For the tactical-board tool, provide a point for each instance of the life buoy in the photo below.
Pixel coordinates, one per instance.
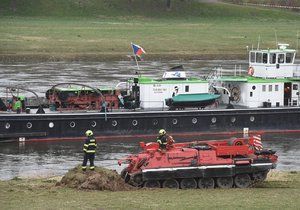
(236, 142)
(251, 70)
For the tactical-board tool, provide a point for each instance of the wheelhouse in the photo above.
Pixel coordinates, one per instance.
(273, 63)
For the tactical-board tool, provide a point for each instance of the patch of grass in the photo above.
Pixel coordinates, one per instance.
(138, 8)
(103, 30)
(280, 191)
(98, 39)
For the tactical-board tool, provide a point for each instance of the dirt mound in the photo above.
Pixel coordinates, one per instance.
(99, 179)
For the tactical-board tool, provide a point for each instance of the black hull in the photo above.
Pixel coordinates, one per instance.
(74, 125)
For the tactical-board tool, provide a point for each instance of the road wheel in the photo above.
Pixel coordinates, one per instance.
(171, 183)
(260, 176)
(188, 184)
(242, 180)
(152, 184)
(138, 179)
(206, 183)
(225, 182)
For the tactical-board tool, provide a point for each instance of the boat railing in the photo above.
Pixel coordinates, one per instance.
(219, 71)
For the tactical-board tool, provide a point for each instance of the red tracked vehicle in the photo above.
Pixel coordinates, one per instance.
(236, 162)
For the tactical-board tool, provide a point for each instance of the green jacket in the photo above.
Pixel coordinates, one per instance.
(17, 105)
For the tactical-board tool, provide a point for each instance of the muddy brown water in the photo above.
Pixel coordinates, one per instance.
(42, 159)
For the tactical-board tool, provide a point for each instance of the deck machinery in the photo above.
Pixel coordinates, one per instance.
(237, 162)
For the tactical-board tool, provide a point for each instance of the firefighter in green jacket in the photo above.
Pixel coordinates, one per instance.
(18, 105)
(89, 149)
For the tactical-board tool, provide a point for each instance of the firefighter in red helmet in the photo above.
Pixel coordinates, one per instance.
(89, 149)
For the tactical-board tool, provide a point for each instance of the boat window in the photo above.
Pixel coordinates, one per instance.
(264, 88)
(294, 102)
(265, 58)
(251, 94)
(272, 58)
(276, 87)
(295, 87)
(289, 57)
(187, 88)
(270, 88)
(280, 58)
(252, 57)
(253, 87)
(258, 57)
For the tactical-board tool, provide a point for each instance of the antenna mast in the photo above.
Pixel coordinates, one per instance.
(258, 42)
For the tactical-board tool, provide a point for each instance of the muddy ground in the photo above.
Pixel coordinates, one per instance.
(99, 179)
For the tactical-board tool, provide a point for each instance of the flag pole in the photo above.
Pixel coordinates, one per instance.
(136, 61)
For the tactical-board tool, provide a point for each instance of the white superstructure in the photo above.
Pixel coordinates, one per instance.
(273, 80)
(274, 63)
(153, 92)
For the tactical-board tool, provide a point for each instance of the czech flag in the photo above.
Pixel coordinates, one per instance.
(137, 50)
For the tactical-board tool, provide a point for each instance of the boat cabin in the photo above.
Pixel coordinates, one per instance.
(273, 63)
(153, 92)
(273, 80)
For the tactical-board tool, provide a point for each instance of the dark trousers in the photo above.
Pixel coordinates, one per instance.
(90, 157)
(162, 146)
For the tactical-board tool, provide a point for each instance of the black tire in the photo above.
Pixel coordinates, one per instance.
(127, 177)
(123, 173)
(171, 183)
(242, 181)
(260, 176)
(225, 182)
(152, 184)
(188, 183)
(206, 183)
(138, 179)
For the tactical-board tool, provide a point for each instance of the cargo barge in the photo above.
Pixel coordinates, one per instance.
(264, 100)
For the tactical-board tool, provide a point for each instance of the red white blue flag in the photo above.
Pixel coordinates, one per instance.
(137, 50)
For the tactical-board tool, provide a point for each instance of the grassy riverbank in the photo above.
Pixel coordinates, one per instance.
(280, 191)
(188, 31)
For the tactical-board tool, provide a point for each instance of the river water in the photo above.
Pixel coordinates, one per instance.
(40, 77)
(43, 159)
